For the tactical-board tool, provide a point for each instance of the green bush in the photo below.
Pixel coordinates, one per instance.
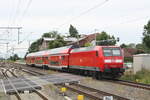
(142, 76)
(128, 59)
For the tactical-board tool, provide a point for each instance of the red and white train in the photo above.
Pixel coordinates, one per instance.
(97, 61)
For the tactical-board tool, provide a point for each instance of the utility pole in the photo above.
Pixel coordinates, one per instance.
(95, 31)
(18, 34)
(29, 43)
(7, 50)
(12, 50)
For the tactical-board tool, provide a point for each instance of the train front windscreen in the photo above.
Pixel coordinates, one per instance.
(108, 52)
(112, 56)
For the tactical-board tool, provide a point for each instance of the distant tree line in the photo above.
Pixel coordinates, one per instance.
(102, 38)
(14, 57)
(73, 32)
(143, 47)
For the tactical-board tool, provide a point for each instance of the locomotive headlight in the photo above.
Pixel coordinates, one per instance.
(118, 61)
(107, 61)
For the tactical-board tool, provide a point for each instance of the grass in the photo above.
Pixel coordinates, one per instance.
(142, 76)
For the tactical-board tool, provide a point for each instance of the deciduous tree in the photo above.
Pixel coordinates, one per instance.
(73, 32)
(146, 34)
(104, 39)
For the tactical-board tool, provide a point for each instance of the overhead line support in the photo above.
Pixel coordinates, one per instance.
(13, 28)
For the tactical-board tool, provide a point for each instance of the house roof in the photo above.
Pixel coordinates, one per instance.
(129, 52)
(86, 39)
(48, 39)
(142, 55)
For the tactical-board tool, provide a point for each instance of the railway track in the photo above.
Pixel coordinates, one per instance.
(7, 77)
(17, 94)
(89, 92)
(37, 92)
(130, 83)
(35, 73)
(92, 92)
(117, 81)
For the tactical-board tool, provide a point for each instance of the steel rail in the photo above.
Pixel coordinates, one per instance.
(30, 72)
(7, 77)
(38, 93)
(130, 83)
(42, 96)
(92, 92)
(124, 82)
(13, 73)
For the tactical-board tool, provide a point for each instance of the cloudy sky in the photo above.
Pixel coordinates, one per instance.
(122, 18)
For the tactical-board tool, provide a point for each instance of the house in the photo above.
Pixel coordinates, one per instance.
(86, 39)
(45, 42)
(70, 41)
(129, 52)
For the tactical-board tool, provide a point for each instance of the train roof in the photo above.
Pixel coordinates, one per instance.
(91, 48)
(61, 50)
(65, 50)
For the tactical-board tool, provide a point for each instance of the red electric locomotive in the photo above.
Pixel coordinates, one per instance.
(97, 61)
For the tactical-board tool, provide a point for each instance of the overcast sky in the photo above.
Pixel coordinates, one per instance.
(122, 18)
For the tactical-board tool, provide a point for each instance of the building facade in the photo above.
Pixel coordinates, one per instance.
(141, 61)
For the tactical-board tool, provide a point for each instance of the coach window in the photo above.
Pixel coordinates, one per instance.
(62, 57)
(97, 53)
(46, 58)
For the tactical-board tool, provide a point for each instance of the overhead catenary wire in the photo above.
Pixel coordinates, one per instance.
(125, 22)
(23, 15)
(25, 38)
(11, 12)
(25, 10)
(83, 13)
(17, 10)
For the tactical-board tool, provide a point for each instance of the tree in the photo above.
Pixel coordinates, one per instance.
(87, 44)
(104, 39)
(73, 32)
(14, 57)
(131, 45)
(35, 46)
(143, 47)
(146, 34)
(58, 42)
(123, 45)
(52, 34)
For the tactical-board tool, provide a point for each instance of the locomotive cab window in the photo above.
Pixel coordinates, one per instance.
(111, 52)
(116, 52)
(107, 52)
